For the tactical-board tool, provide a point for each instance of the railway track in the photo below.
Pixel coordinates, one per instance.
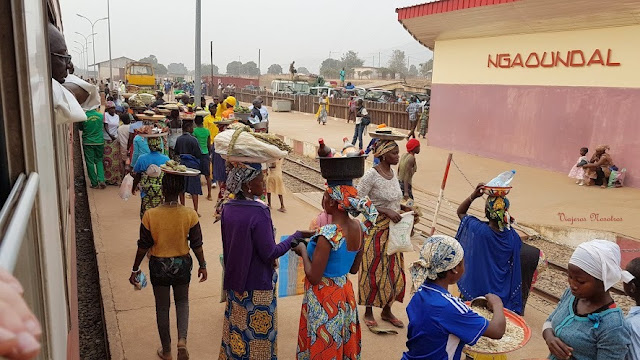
(551, 284)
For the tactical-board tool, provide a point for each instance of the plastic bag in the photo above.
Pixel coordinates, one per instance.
(291, 274)
(616, 179)
(141, 281)
(400, 235)
(126, 187)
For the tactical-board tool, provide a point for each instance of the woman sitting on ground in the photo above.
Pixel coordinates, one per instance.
(597, 171)
(587, 324)
(329, 324)
(440, 325)
(166, 233)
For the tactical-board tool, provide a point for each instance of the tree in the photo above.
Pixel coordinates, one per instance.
(250, 69)
(303, 70)
(398, 64)
(177, 68)
(349, 61)
(330, 68)
(413, 71)
(366, 73)
(426, 68)
(274, 69)
(158, 68)
(206, 70)
(234, 68)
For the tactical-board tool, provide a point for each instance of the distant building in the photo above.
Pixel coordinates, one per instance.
(533, 81)
(118, 66)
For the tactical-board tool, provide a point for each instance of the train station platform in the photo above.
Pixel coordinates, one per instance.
(538, 197)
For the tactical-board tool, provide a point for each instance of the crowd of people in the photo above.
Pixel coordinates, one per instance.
(351, 236)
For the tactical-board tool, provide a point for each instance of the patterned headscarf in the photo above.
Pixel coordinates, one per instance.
(155, 143)
(383, 147)
(497, 208)
(439, 253)
(241, 173)
(347, 198)
(110, 104)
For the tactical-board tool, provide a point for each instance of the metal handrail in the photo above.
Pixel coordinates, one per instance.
(9, 204)
(13, 237)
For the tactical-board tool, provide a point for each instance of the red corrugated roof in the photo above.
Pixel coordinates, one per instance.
(443, 6)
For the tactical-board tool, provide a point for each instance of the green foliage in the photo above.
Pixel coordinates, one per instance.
(398, 63)
(234, 68)
(426, 67)
(177, 69)
(158, 68)
(303, 70)
(274, 69)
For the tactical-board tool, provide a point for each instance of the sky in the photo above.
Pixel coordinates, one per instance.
(285, 30)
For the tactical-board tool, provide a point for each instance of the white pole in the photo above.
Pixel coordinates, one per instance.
(198, 78)
(110, 67)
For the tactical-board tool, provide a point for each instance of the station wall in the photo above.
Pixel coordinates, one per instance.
(579, 88)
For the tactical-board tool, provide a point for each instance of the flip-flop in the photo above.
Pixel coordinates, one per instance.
(282, 210)
(395, 322)
(371, 323)
(162, 356)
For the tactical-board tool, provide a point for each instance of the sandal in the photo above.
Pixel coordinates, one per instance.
(395, 322)
(371, 323)
(164, 356)
(183, 353)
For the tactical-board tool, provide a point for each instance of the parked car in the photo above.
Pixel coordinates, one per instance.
(380, 95)
(251, 87)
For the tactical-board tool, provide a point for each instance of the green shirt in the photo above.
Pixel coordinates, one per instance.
(92, 128)
(202, 134)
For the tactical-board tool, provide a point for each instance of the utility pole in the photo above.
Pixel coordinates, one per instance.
(379, 60)
(259, 67)
(198, 78)
(110, 66)
(93, 38)
(212, 86)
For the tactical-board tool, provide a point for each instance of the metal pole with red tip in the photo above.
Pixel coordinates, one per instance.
(441, 195)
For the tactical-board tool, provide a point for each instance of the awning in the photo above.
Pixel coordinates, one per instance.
(459, 19)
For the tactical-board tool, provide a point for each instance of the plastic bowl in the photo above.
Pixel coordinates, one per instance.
(518, 321)
(496, 191)
(342, 168)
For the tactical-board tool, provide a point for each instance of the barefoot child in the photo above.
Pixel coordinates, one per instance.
(632, 289)
(275, 185)
(577, 171)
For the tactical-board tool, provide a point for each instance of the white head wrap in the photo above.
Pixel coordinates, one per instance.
(600, 259)
(439, 253)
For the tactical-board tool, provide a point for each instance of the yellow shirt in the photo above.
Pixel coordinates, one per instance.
(220, 109)
(170, 227)
(210, 124)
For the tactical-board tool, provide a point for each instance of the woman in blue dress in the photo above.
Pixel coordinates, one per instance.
(587, 324)
(492, 252)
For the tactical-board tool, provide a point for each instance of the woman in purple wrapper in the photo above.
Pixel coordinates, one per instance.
(250, 251)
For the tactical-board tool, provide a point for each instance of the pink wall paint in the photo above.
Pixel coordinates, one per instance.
(539, 126)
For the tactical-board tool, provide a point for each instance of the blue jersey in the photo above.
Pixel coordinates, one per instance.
(440, 325)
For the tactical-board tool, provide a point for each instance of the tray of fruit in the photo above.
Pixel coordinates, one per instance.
(151, 131)
(173, 167)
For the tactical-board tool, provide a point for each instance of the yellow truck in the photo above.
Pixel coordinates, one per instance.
(140, 77)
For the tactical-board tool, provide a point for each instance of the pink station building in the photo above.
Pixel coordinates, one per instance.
(533, 81)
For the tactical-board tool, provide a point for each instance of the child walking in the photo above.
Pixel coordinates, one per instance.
(275, 185)
(577, 171)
